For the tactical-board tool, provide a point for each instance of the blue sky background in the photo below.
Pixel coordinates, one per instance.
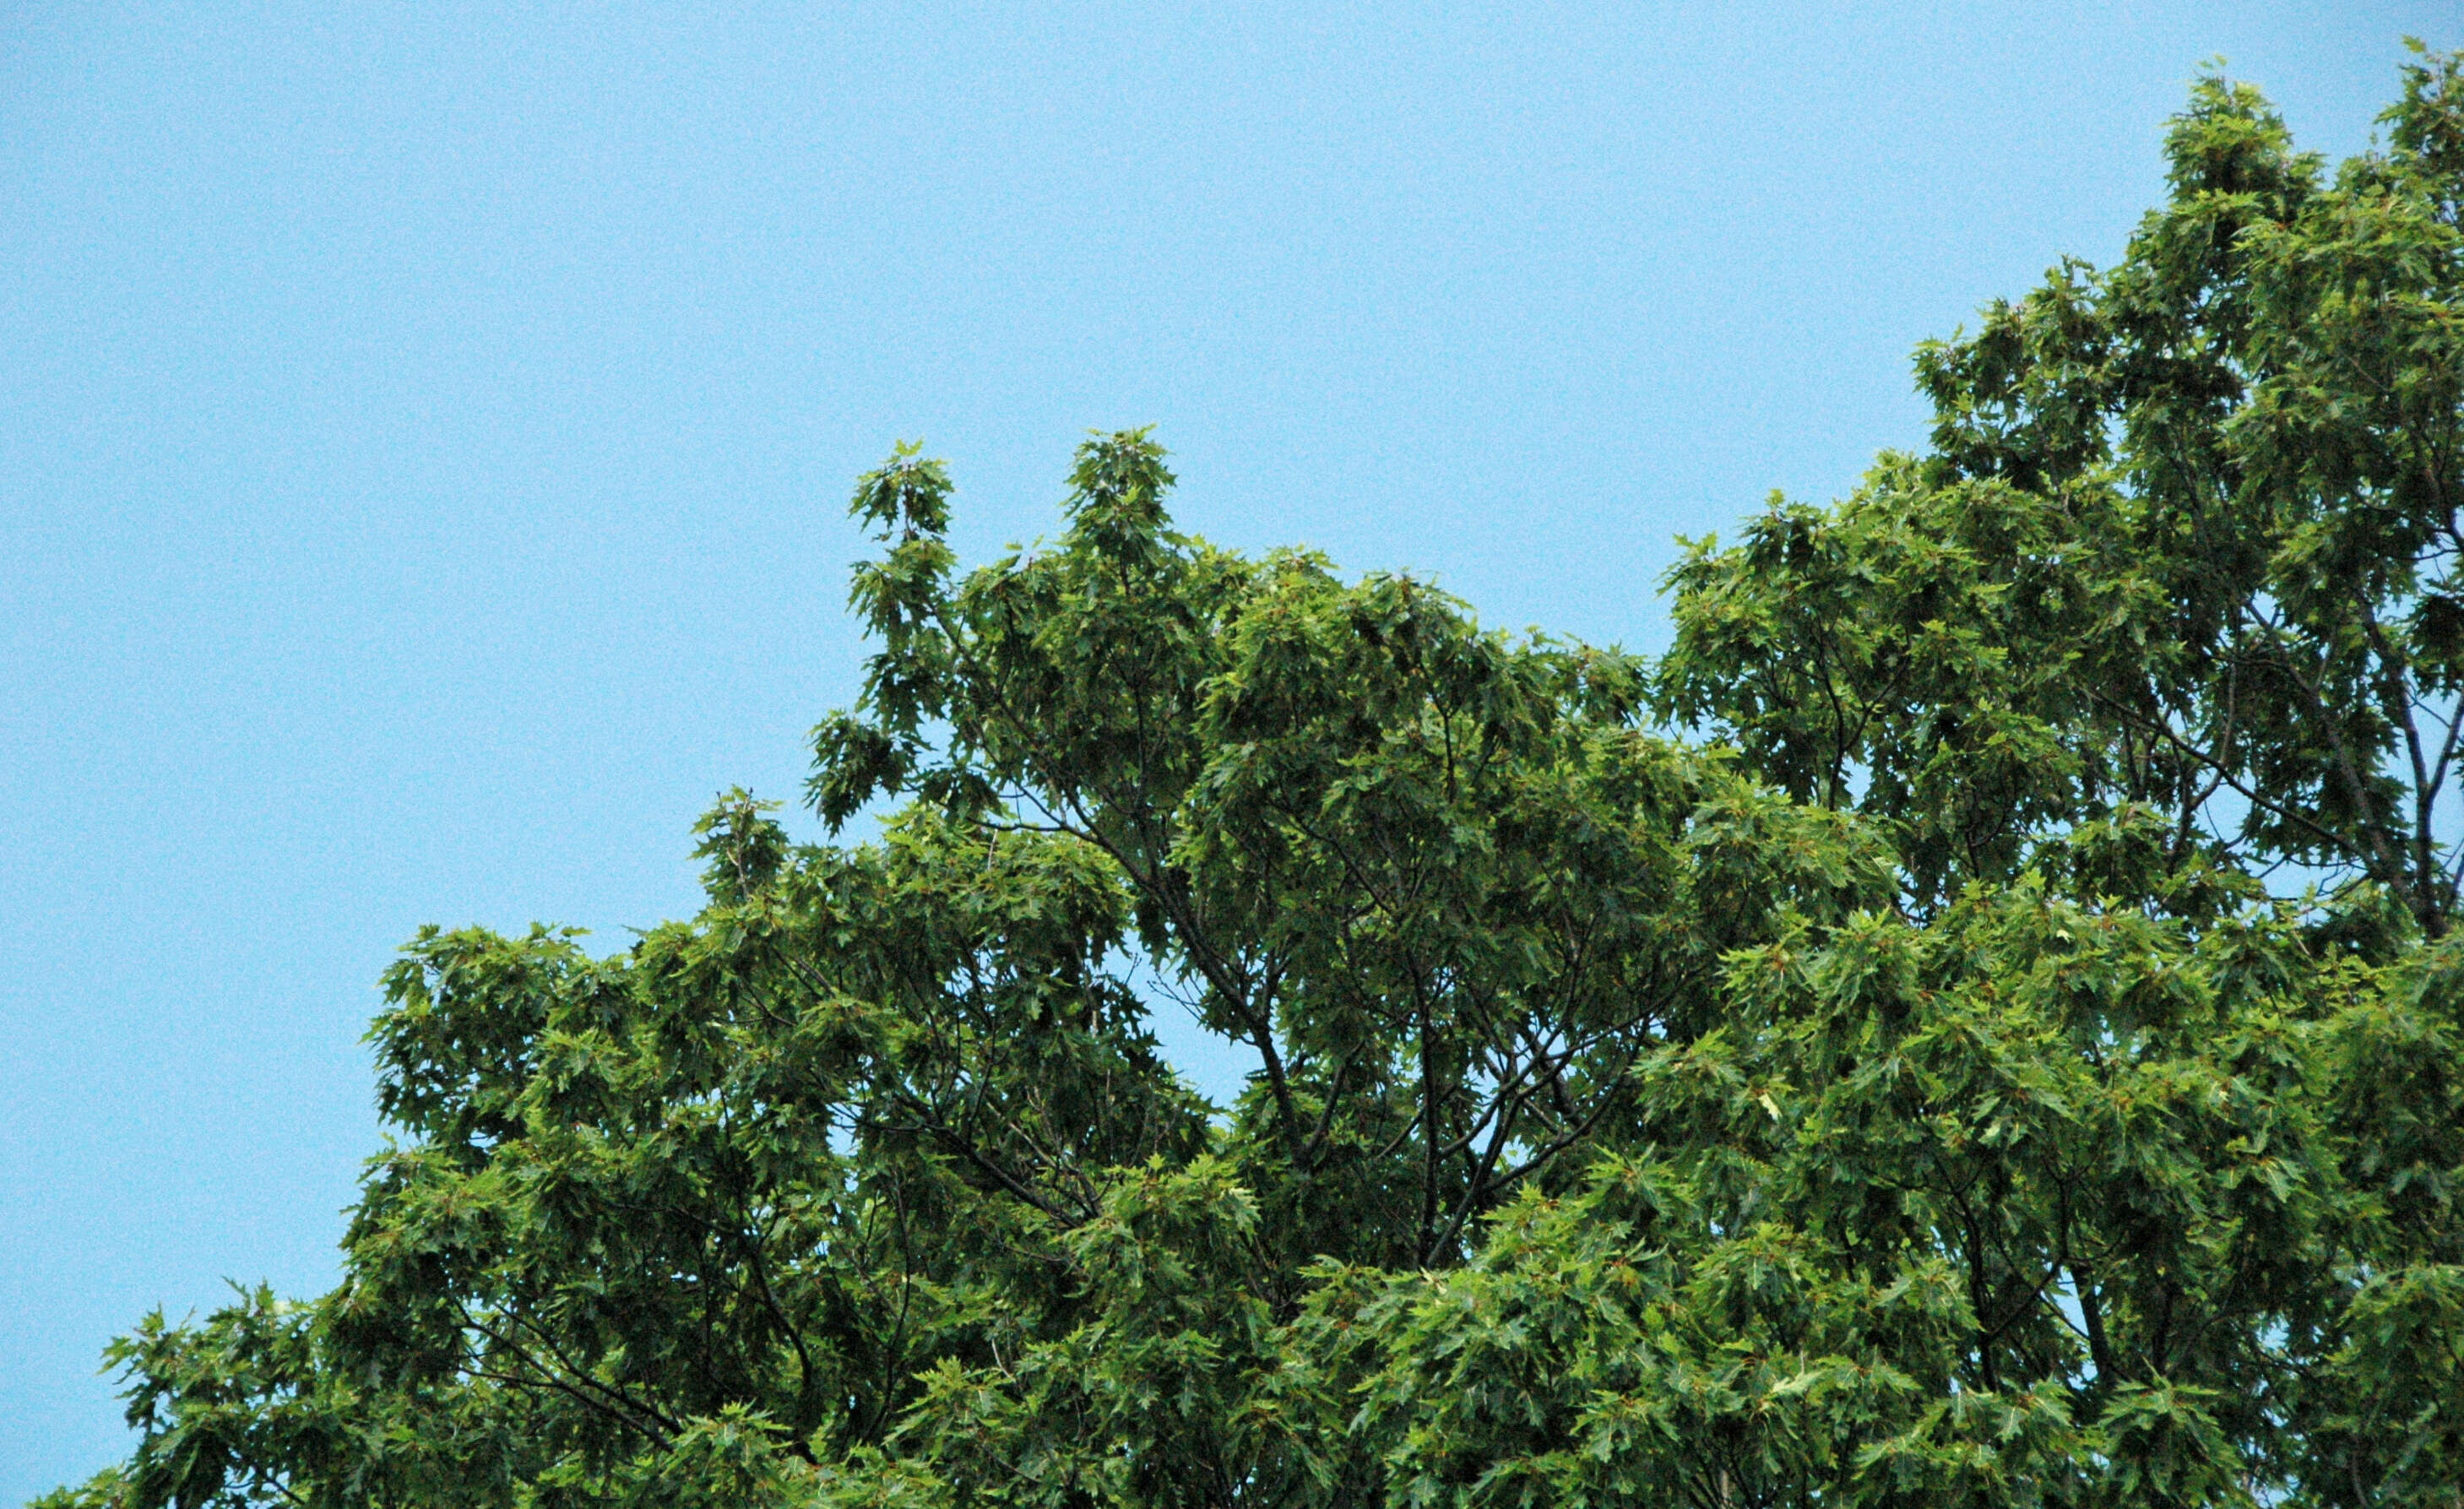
(425, 430)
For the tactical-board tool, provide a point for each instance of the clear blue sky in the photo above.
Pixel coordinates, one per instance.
(424, 432)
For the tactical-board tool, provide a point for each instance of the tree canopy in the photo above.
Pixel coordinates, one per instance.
(1980, 1021)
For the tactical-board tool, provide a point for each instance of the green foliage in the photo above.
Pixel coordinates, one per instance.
(2017, 1058)
(2181, 565)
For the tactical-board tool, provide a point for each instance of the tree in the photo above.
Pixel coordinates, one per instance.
(1977, 1023)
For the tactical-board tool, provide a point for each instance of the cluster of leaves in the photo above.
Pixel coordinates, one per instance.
(1927, 1088)
(2181, 567)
